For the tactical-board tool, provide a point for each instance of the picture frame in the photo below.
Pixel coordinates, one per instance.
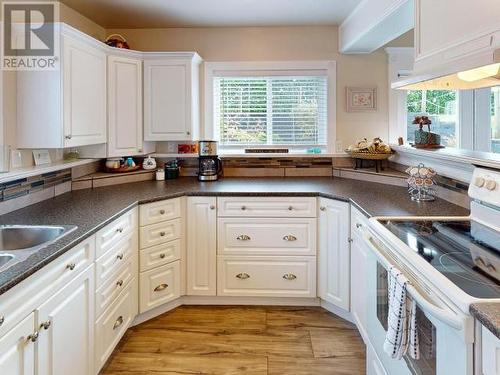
(361, 99)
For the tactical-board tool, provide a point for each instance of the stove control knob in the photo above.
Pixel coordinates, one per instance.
(491, 185)
(479, 181)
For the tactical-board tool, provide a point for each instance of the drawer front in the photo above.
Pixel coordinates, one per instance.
(115, 231)
(111, 326)
(157, 212)
(159, 286)
(159, 255)
(115, 258)
(250, 236)
(267, 206)
(266, 276)
(112, 288)
(156, 234)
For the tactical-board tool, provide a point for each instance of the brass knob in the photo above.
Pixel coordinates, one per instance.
(243, 237)
(212, 207)
(162, 256)
(188, 133)
(162, 234)
(118, 322)
(290, 238)
(119, 283)
(160, 287)
(119, 230)
(68, 136)
(45, 325)
(358, 225)
(71, 266)
(289, 276)
(119, 256)
(322, 208)
(243, 208)
(34, 336)
(243, 276)
(162, 212)
(290, 208)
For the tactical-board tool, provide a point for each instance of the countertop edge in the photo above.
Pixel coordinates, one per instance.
(489, 316)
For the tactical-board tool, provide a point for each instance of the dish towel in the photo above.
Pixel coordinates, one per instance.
(402, 330)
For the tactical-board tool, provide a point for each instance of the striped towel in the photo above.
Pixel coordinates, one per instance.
(402, 331)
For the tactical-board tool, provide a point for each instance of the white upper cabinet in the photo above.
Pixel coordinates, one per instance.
(453, 31)
(334, 258)
(66, 107)
(171, 97)
(124, 106)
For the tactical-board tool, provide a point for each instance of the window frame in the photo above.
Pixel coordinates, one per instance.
(270, 68)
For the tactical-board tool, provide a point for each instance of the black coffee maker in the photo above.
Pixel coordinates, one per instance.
(209, 164)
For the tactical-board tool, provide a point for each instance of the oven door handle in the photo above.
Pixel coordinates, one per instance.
(445, 316)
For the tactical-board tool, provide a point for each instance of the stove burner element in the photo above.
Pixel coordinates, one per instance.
(456, 267)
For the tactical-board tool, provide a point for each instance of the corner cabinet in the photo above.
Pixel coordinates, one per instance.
(171, 96)
(333, 255)
(65, 107)
(201, 249)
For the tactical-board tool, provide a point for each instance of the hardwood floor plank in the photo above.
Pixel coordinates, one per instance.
(334, 343)
(304, 318)
(316, 366)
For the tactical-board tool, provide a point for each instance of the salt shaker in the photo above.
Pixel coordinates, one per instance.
(160, 175)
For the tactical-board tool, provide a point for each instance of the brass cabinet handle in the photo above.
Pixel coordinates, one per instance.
(289, 276)
(243, 208)
(290, 208)
(33, 337)
(71, 266)
(212, 207)
(162, 234)
(45, 325)
(243, 237)
(119, 230)
(119, 256)
(290, 237)
(119, 283)
(161, 287)
(118, 322)
(243, 276)
(188, 133)
(491, 267)
(162, 212)
(2, 319)
(162, 256)
(322, 208)
(68, 136)
(358, 225)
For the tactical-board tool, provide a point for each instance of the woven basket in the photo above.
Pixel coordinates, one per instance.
(365, 155)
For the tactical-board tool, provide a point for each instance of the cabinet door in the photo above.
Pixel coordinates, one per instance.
(490, 353)
(124, 106)
(201, 246)
(358, 283)
(334, 252)
(167, 100)
(17, 350)
(84, 94)
(65, 322)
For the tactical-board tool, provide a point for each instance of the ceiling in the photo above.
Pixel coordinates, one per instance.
(212, 13)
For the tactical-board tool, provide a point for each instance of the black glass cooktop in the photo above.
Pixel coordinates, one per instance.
(466, 252)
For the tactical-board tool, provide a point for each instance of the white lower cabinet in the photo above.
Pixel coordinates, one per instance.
(65, 326)
(159, 285)
(17, 350)
(201, 249)
(373, 364)
(490, 356)
(333, 261)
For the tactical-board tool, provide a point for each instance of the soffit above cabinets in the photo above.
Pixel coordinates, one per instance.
(212, 13)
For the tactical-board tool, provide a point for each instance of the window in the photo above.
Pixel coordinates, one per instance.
(442, 109)
(271, 110)
(495, 119)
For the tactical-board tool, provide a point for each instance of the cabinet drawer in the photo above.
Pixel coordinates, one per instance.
(115, 258)
(252, 236)
(157, 212)
(159, 255)
(160, 233)
(112, 288)
(159, 286)
(267, 206)
(111, 326)
(115, 231)
(266, 276)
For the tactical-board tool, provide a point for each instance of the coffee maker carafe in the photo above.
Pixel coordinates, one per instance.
(210, 165)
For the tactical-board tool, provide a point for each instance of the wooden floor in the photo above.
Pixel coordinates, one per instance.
(240, 340)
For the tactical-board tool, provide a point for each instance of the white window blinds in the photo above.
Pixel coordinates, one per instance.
(277, 110)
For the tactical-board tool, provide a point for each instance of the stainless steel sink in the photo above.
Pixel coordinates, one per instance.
(18, 242)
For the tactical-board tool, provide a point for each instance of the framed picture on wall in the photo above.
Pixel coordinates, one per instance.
(361, 99)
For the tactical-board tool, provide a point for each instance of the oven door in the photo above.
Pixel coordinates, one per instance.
(443, 347)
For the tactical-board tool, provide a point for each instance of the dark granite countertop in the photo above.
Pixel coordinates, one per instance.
(488, 314)
(92, 209)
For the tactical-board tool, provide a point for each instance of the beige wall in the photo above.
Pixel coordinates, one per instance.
(82, 23)
(283, 43)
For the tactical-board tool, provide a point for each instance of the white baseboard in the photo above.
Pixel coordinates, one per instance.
(337, 311)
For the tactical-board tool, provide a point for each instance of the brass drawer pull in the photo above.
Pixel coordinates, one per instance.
(161, 287)
(119, 230)
(290, 238)
(162, 234)
(322, 208)
(71, 266)
(45, 325)
(162, 212)
(33, 337)
(118, 322)
(358, 225)
(290, 208)
(119, 256)
(243, 276)
(119, 283)
(243, 208)
(243, 237)
(212, 207)
(289, 276)
(162, 256)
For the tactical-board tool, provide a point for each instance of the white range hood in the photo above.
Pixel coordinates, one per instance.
(474, 72)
